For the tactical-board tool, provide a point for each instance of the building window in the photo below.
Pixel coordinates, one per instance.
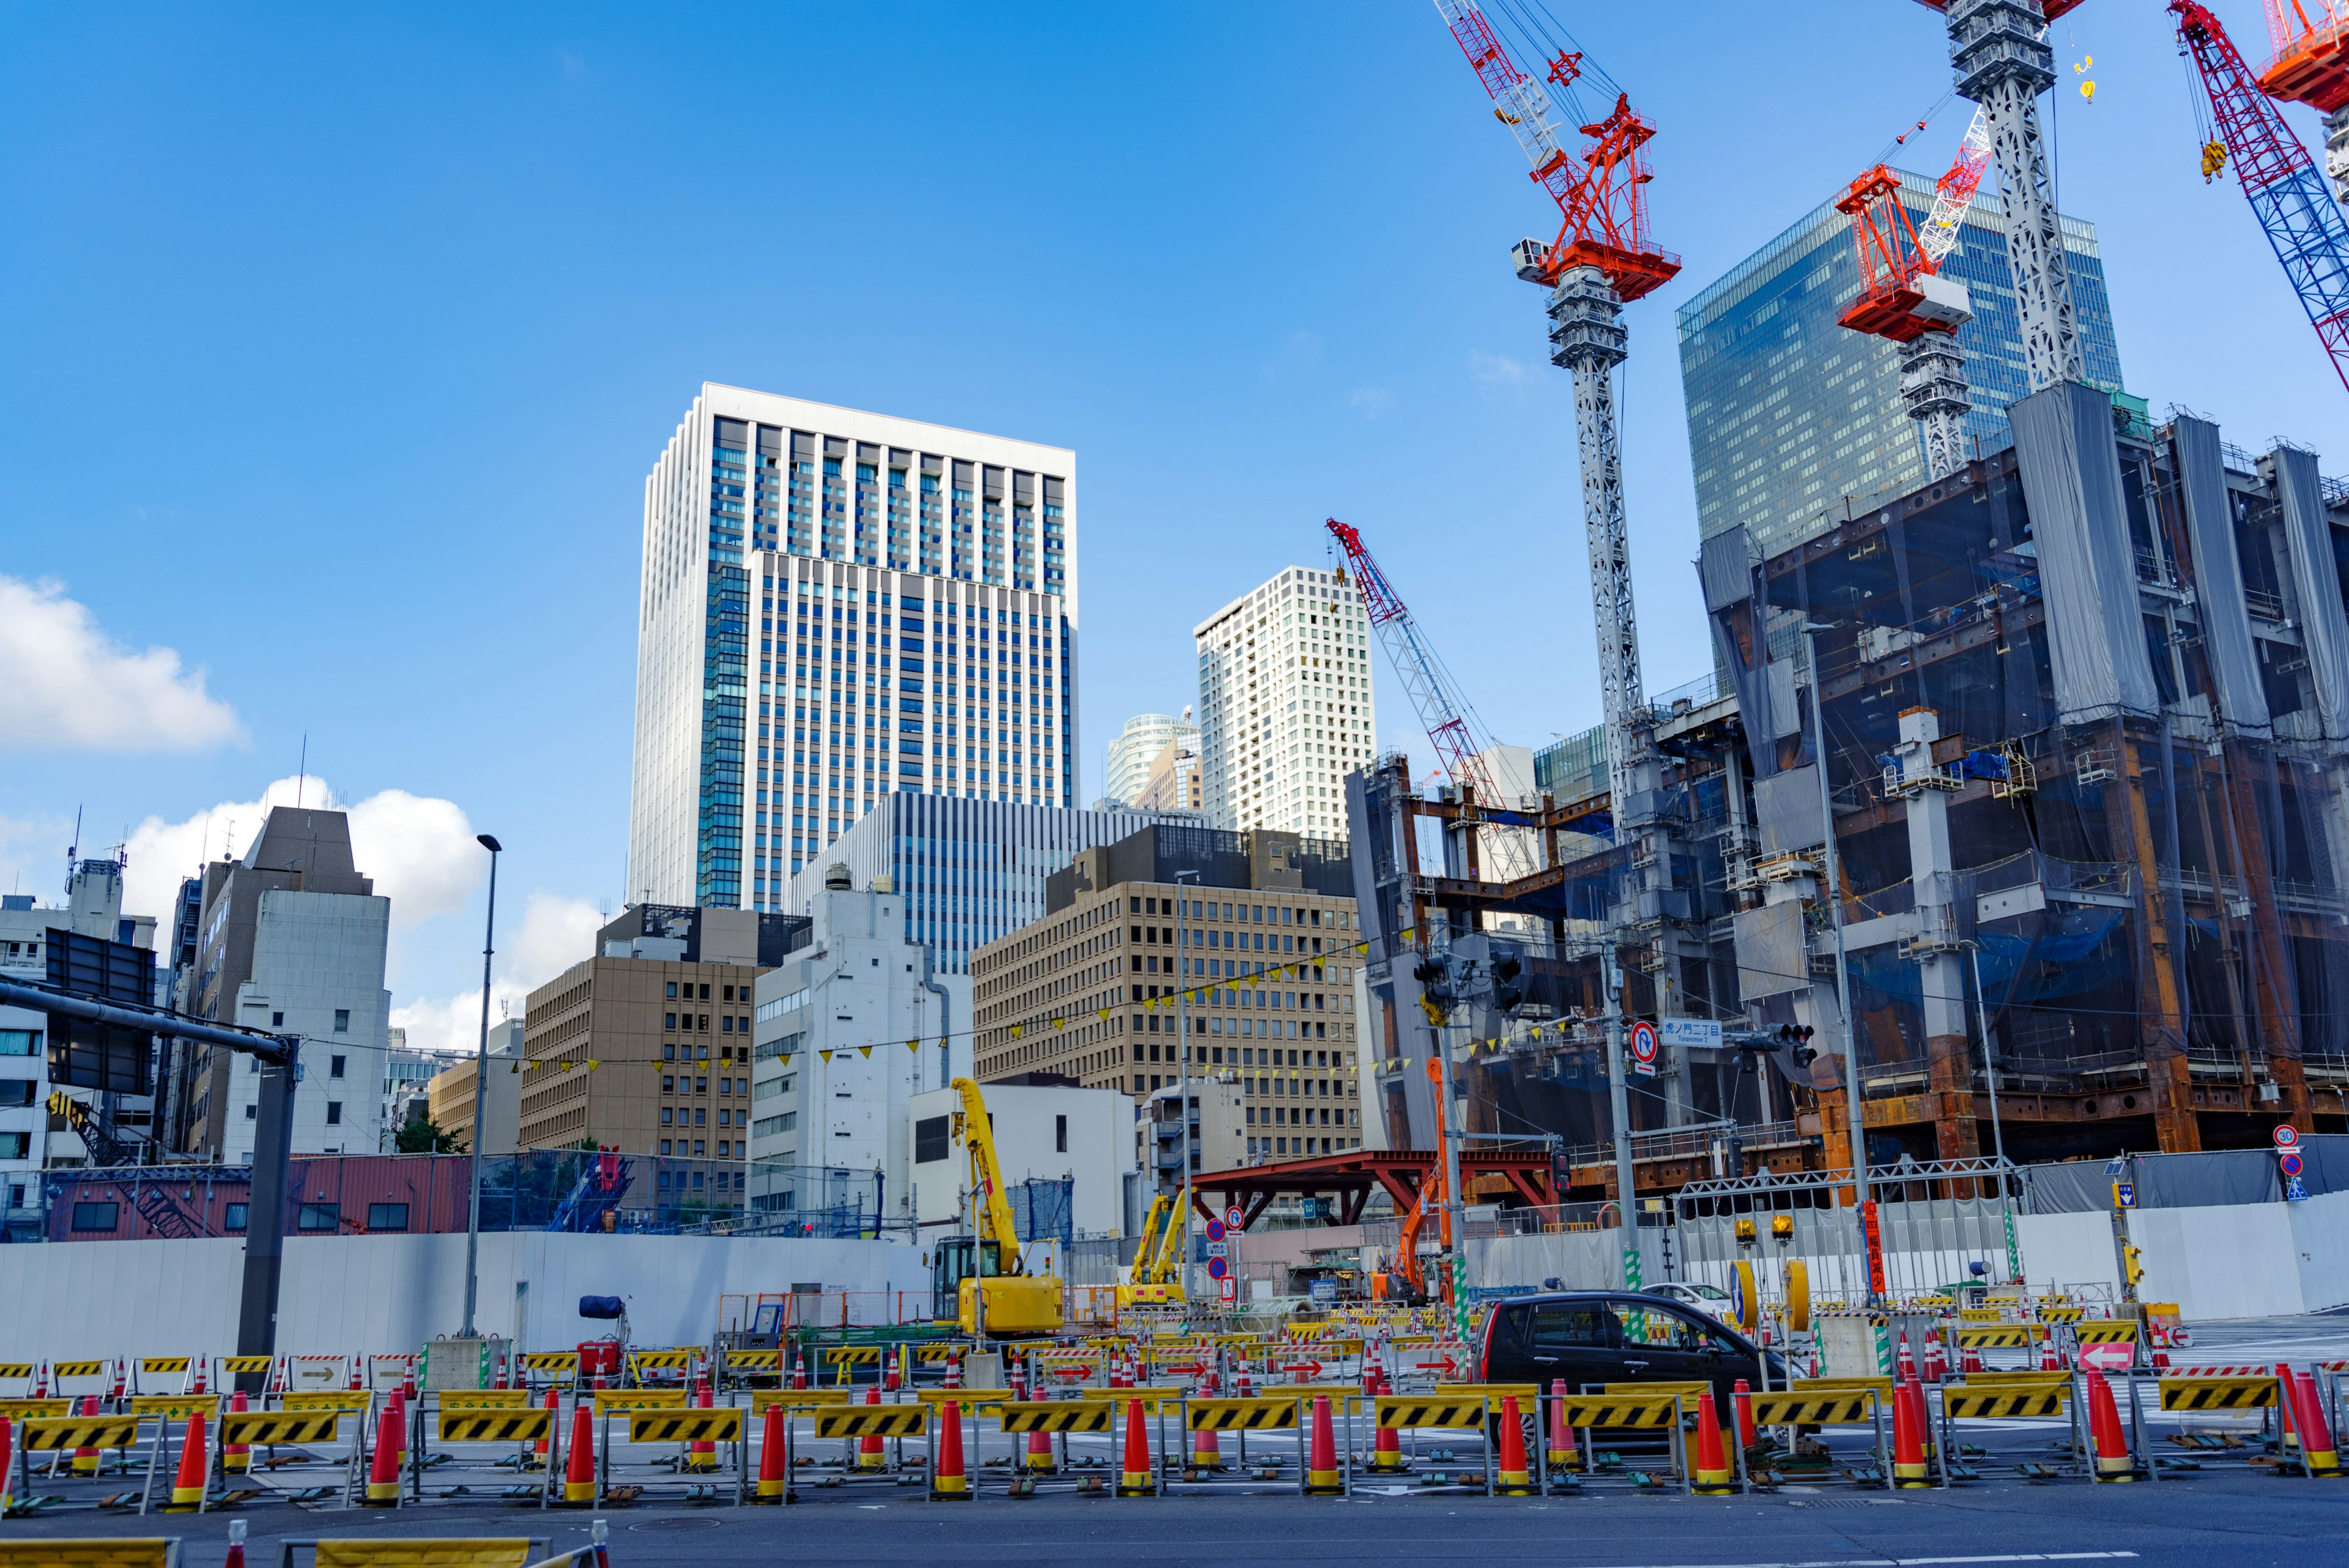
(387, 1216)
(335, 1065)
(321, 1217)
(16, 1093)
(665, 1116)
(334, 1112)
(232, 1216)
(253, 1111)
(277, 1021)
(342, 1021)
(931, 1139)
(20, 1042)
(1060, 1135)
(664, 1150)
(96, 1216)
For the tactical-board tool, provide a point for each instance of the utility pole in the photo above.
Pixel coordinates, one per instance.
(1854, 1119)
(481, 1086)
(1619, 1112)
(1182, 1029)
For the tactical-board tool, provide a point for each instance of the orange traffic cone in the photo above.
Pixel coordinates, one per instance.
(552, 1408)
(200, 1362)
(1937, 1365)
(774, 1457)
(236, 1456)
(1136, 1479)
(1207, 1450)
(579, 1468)
(2113, 1460)
(2050, 1358)
(188, 1486)
(84, 1461)
(948, 1482)
(1909, 1467)
(1970, 1356)
(1743, 1398)
(1563, 1454)
(799, 1370)
(1322, 1476)
(1386, 1445)
(394, 1414)
(954, 1372)
(2317, 1455)
(1713, 1477)
(1906, 1367)
(701, 1454)
(1511, 1478)
(870, 1455)
(383, 1466)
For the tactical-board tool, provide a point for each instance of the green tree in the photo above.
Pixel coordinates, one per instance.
(419, 1133)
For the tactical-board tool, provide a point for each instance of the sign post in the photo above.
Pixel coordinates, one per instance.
(2290, 1163)
(1645, 1047)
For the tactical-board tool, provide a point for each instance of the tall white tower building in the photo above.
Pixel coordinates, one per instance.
(1285, 704)
(1136, 746)
(837, 606)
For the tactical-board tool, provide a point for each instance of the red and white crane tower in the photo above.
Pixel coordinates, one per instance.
(2309, 64)
(1904, 299)
(1601, 257)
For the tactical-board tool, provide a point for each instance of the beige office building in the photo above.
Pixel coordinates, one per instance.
(1257, 929)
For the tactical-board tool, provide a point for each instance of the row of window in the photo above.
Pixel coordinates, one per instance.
(102, 1217)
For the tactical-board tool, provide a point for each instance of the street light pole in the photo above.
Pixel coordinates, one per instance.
(1854, 1120)
(1990, 1062)
(1182, 1029)
(480, 1086)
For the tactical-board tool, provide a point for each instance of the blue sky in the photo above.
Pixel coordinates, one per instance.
(338, 342)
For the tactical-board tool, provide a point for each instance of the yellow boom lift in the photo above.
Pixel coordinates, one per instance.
(1156, 1278)
(987, 1269)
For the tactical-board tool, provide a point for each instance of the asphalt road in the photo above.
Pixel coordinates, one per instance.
(2212, 1519)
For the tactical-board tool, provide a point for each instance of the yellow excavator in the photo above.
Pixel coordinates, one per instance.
(1156, 1277)
(992, 1291)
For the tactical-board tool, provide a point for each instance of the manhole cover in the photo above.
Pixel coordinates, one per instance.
(679, 1524)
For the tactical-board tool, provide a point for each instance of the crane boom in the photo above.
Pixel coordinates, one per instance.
(1441, 712)
(1954, 193)
(995, 1223)
(2303, 223)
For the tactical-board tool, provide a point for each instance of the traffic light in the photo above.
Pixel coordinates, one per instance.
(1797, 1038)
(2132, 1263)
(1507, 994)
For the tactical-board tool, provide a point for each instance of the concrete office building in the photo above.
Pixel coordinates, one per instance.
(93, 908)
(1267, 952)
(645, 1046)
(837, 607)
(1220, 1137)
(1285, 704)
(846, 1032)
(292, 940)
(1789, 413)
(968, 871)
(406, 1083)
(1043, 1132)
(1173, 783)
(449, 1091)
(1133, 748)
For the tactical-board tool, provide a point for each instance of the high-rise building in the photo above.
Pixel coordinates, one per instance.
(1173, 783)
(970, 870)
(1130, 753)
(1285, 704)
(292, 941)
(1264, 954)
(1792, 419)
(837, 607)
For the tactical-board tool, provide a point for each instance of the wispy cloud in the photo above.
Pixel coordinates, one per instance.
(66, 685)
(1495, 372)
(1297, 351)
(556, 932)
(1371, 401)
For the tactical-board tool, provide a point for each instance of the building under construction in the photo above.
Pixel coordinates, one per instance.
(2084, 707)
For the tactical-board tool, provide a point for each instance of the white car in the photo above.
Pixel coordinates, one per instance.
(1703, 1298)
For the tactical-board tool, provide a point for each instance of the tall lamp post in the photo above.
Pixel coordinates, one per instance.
(480, 1086)
(1854, 1108)
(1182, 1027)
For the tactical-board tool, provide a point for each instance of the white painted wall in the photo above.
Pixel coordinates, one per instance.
(2060, 1249)
(378, 1293)
(1100, 1151)
(2320, 1234)
(314, 956)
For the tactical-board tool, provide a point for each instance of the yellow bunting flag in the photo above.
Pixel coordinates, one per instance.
(914, 1047)
(865, 1052)
(825, 1054)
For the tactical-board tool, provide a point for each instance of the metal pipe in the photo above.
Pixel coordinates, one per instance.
(153, 1019)
(1183, 1031)
(1619, 1110)
(481, 1087)
(1990, 1060)
(1853, 1100)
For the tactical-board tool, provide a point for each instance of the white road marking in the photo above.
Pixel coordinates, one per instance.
(1919, 1562)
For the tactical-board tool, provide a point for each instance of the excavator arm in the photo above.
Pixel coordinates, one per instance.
(995, 1223)
(1430, 1199)
(1146, 1258)
(1164, 1247)
(1010, 1301)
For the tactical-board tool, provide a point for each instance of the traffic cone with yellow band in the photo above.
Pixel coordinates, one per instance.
(1909, 1466)
(701, 1454)
(579, 1467)
(84, 1461)
(774, 1457)
(2113, 1460)
(383, 1466)
(949, 1480)
(869, 1454)
(1563, 1454)
(1713, 1475)
(2317, 1454)
(236, 1456)
(188, 1485)
(1511, 1477)
(1136, 1479)
(1322, 1476)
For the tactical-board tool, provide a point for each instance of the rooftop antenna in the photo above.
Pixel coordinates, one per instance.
(301, 771)
(73, 852)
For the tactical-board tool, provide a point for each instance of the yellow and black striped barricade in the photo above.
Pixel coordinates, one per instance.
(610, 1401)
(2191, 1395)
(728, 1424)
(487, 1400)
(841, 1357)
(1626, 1408)
(146, 1367)
(251, 1373)
(26, 1409)
(1982, 1336)
(1286, 1408)
(514, 1425)
(1096, 1414)
(1808, 1405)
(2018, 1397)
(662, 1365)
(120, 1551)
(852, 1422)
(512, 1552)
(18, 1371)
(543, 1367)
(59, 1436)
(1443, 1409)
(737, 1367)
(164, 1409)
(301, 1427)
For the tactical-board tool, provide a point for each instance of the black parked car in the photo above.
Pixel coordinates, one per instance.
(1592, 1337)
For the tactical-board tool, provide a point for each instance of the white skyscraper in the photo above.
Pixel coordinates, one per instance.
(1136, 746)
(1285, 704)
(837, 606)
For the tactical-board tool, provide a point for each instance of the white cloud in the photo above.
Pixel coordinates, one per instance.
(1297, 351)
(64, 684)
(1371, 401)
(556, 932)
(1495, 372)
(418, 850)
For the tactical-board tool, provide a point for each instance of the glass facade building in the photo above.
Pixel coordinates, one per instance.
(1792, 419)
(840, 607)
